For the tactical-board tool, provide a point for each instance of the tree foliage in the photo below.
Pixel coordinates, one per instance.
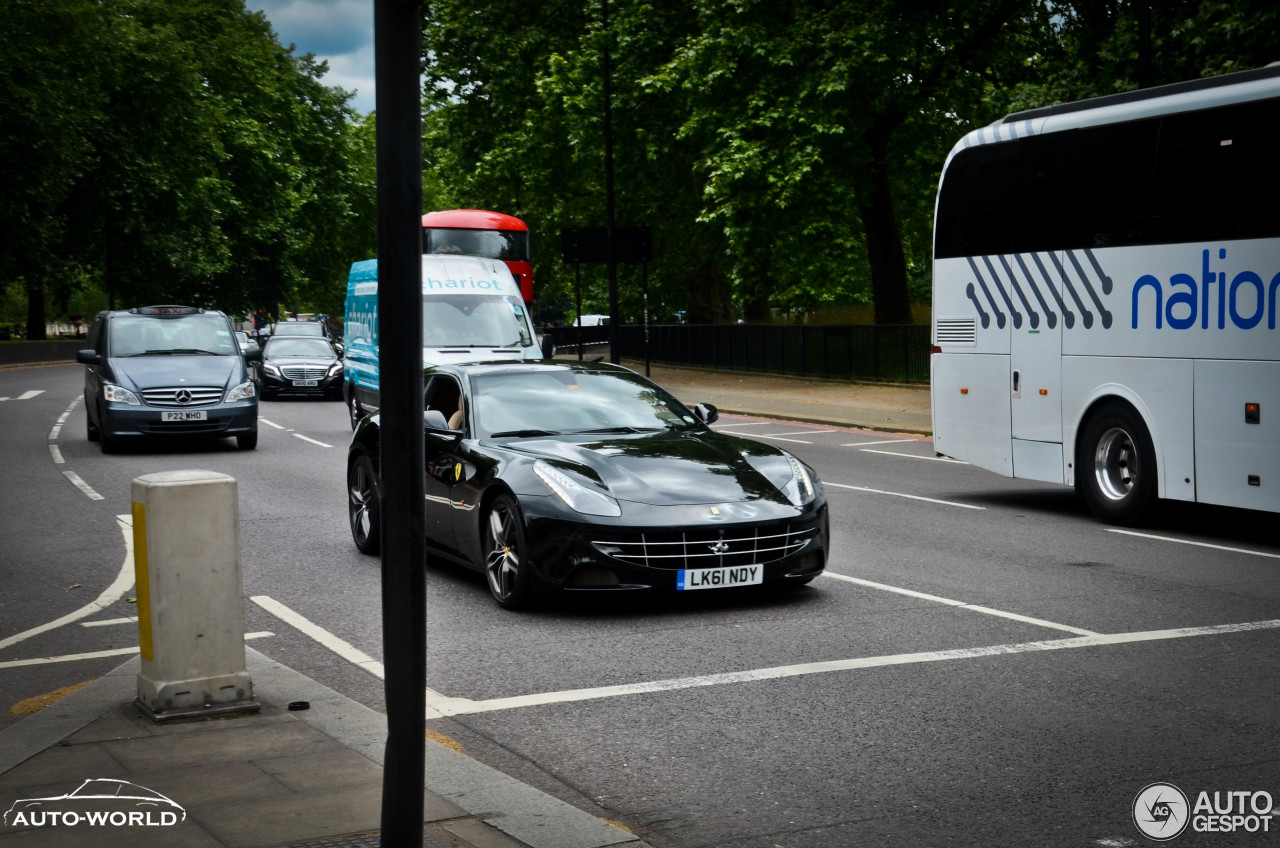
(175, 152)
(785, 154)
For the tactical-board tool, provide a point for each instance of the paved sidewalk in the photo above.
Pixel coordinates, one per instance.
(305, 779)
(884, 407)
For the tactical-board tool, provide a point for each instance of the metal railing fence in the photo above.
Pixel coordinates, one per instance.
(892, 353)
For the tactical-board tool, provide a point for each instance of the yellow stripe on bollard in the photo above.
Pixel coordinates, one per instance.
(141, 579)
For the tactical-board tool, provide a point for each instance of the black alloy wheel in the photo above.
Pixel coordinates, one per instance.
(504, 551)
(363, 506)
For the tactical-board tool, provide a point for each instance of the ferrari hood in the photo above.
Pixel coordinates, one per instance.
(667, 469)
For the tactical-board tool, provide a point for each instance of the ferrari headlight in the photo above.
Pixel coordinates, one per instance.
(575, 495)
(800, 489)
(244, 391)
(115, 394)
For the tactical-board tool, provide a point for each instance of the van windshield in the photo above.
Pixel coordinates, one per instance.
(137, 335)
(474, 321)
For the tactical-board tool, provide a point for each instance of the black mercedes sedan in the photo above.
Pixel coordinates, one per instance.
(583, 476)
(300, 365)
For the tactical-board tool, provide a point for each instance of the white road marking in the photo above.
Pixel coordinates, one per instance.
(900, 495)
(743, 424)
(312, 441)
(109, 595)
(339, 646)
(1197, 544)
(779, 438)
(57, 455)
(56, 430)
(879, 442)
(442, 706)
(93, 655)
(106, 621)
(29, 395)
(911, 593)
(799, 433)
(271, 424)
(82, 485)
(917, 456)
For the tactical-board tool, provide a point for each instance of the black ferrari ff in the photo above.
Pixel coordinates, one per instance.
(583, 476)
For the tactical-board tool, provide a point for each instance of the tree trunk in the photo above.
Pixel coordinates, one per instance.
(36, 312)
(882, 232)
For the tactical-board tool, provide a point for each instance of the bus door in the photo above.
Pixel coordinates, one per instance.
(1039, 305)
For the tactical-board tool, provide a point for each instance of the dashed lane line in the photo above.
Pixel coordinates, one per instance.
(1196, 544)
(877, 442)
(111, 594)
(901, 495)
(311, 440)
(272, 424)
(82, 486)
(916, 456)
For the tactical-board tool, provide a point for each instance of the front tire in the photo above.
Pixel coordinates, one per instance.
(1116, 465)
(364, 509)
(354, 409)
(248, 441)
(505, 566)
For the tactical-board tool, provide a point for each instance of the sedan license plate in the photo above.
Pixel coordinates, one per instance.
(719, 578)
(306, 383)
(185, 415)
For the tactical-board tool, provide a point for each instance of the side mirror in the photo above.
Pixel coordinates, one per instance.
(253, 354)
(435, 425)
(706, 413)
(88, 357)
(548, 346)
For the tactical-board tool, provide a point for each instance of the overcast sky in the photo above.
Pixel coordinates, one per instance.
(337, 31)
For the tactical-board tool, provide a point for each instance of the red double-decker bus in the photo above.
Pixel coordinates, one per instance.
(475, 232)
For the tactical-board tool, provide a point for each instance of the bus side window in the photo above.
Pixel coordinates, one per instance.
(1218, 175)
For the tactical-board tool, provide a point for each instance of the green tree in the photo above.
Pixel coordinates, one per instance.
(175, 151)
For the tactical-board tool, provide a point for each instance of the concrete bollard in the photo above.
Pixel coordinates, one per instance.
(186, 541)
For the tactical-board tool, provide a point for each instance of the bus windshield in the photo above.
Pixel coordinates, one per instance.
(507, 245)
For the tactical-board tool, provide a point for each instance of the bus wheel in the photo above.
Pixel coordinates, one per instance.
(1116, 465)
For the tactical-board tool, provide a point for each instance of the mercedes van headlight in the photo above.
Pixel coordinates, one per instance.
(244, 391)
(575, 495)
(116, 394)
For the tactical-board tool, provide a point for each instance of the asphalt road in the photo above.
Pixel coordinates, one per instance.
(984, 664)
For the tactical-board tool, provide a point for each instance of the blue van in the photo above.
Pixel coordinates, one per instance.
(472, 311)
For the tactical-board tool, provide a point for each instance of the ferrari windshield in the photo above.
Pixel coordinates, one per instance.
(470, 320)
(553, 402)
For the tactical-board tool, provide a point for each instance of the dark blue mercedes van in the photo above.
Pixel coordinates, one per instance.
(167, 372)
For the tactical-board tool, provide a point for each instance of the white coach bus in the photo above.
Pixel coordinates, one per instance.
(1105, 284)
